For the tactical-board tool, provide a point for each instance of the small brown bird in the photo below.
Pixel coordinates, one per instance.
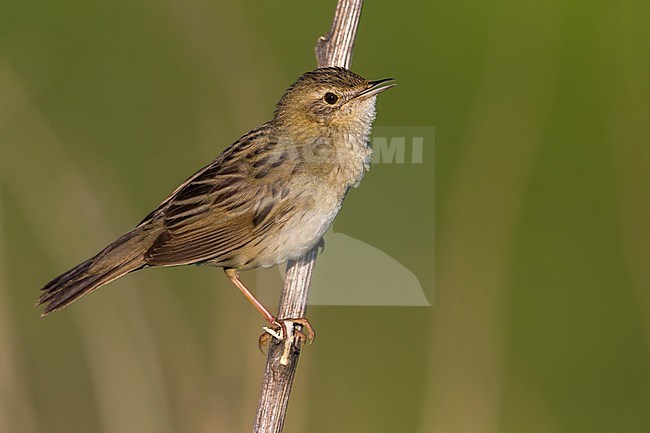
(266, 199)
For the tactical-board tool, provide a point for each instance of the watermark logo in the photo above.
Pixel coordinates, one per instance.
(396, 149)
(354, 272)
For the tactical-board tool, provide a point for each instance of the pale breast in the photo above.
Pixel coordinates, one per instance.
(316, 206)
(323, 171)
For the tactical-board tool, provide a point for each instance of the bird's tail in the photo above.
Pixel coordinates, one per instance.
(121, 257)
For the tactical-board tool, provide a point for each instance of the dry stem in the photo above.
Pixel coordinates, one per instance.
(332, 49)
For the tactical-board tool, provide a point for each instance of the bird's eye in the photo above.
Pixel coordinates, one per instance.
(331, 98)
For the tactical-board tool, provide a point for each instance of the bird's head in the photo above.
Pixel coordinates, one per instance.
(331, 99)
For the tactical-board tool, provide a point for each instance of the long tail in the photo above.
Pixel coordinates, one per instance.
(119, 258)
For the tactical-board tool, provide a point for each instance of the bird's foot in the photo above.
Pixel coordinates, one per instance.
(286, 330)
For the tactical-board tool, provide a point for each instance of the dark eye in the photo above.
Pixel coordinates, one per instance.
(331, 98)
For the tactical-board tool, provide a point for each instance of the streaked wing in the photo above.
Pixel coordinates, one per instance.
(228, 205)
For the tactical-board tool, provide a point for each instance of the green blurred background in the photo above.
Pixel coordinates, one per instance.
(541, 307)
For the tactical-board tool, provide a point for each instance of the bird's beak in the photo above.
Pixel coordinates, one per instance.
(375, 87)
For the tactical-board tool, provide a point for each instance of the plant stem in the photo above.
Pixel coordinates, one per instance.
(332, 49)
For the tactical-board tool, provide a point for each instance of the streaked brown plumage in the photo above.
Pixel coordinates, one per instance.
(268, 198)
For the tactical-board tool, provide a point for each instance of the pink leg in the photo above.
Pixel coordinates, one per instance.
(233, 275)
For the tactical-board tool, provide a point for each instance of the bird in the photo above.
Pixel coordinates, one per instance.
(268, 198)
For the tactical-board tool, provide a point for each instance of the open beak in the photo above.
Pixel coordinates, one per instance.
(375, 87)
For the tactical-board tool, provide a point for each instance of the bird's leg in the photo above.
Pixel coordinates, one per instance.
(277, 328)
(233, 275)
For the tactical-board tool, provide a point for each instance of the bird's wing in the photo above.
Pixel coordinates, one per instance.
(233, 202)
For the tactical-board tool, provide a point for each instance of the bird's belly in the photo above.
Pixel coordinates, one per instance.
(297, 236)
